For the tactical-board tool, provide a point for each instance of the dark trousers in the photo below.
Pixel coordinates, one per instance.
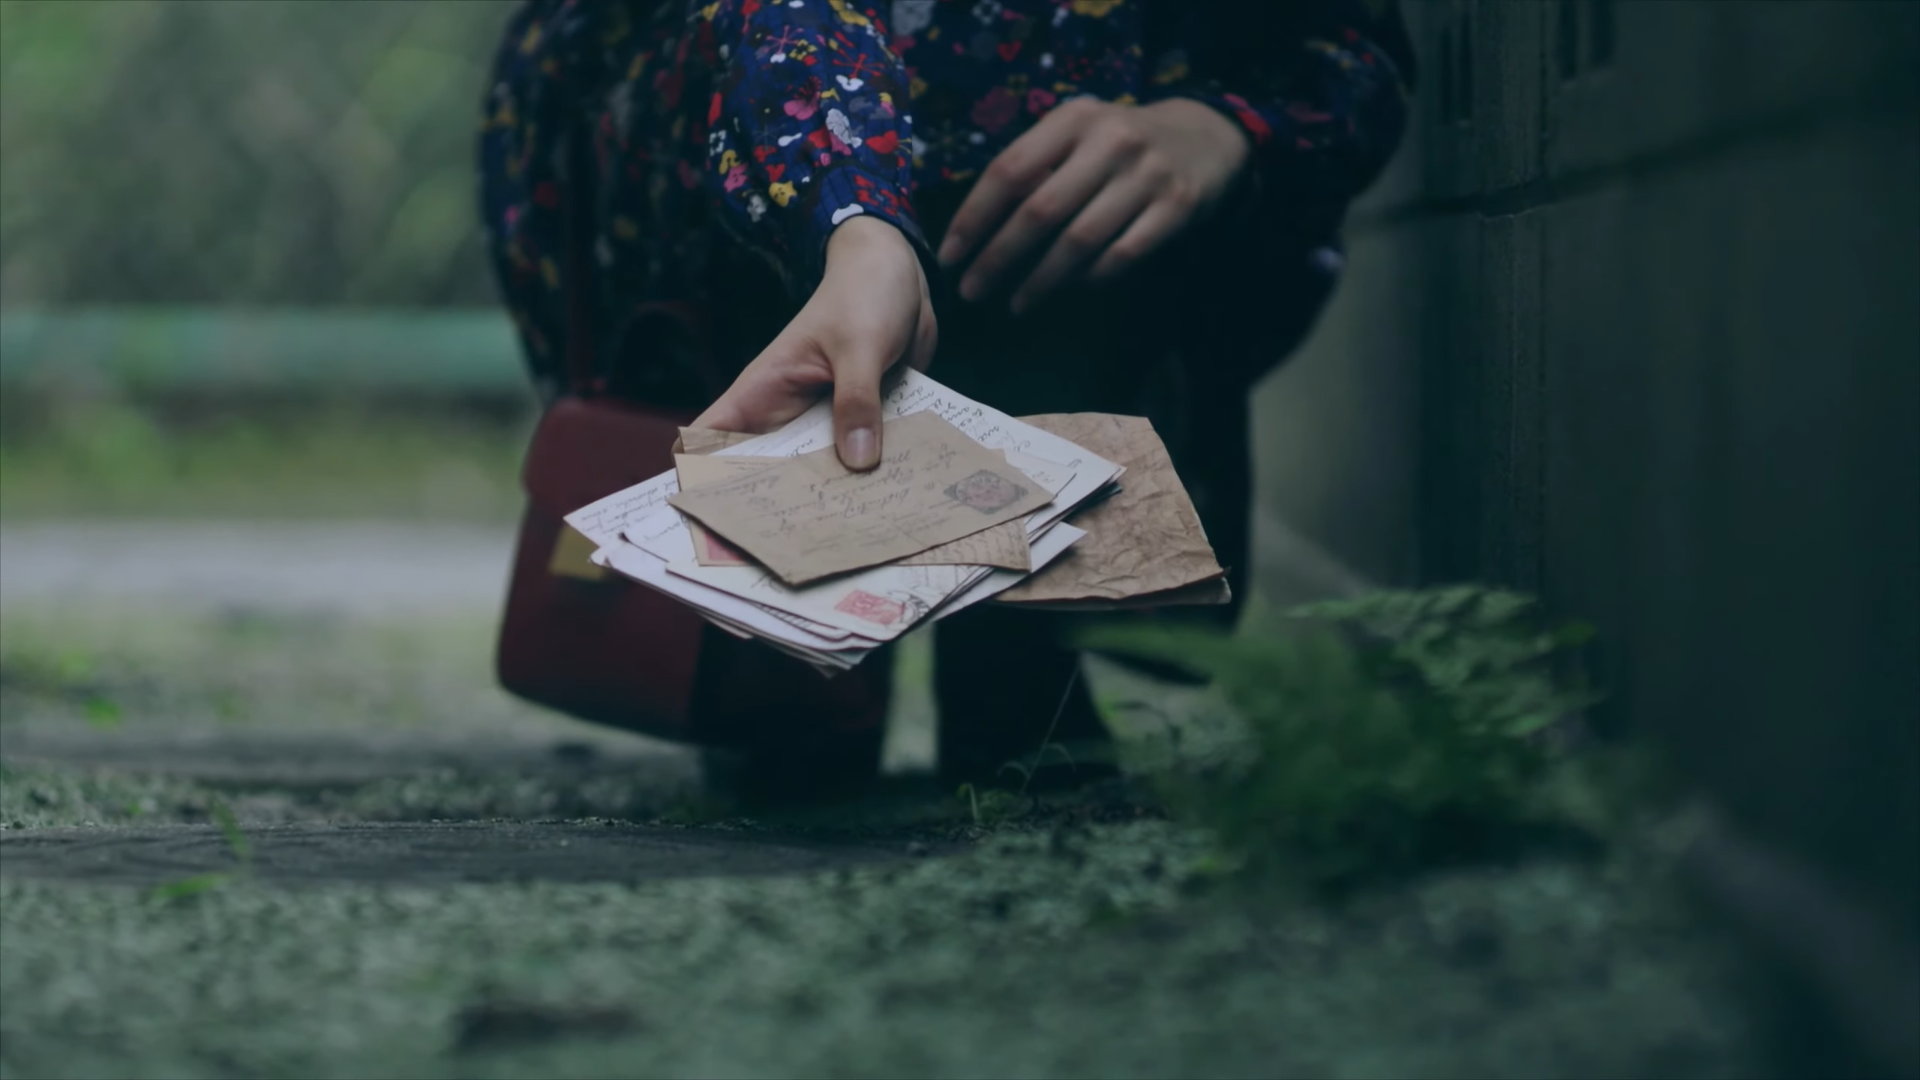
(1001, 672)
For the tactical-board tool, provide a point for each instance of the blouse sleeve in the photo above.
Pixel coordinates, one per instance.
(1319, 87)
(807, 128)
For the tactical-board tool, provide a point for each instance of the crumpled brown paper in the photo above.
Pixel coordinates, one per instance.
(1144, 546)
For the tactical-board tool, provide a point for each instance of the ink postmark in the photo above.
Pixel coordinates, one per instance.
(987, 492)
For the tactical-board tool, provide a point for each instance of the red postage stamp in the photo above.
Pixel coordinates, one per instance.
(720, 553)
(874, 609)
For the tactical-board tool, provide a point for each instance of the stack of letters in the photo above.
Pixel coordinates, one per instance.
(770, 536)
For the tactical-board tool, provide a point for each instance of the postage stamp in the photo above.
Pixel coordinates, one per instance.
(874, 609)
(717, 552)
(987, 492)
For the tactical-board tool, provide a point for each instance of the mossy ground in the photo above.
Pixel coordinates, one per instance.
(1074, 935)
(1084, 936)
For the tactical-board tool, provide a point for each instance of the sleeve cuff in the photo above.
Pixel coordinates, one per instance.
(1267, 129)
(1326, 139)
(837, 196)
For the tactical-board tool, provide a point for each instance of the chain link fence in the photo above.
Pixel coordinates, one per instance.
(242, 152)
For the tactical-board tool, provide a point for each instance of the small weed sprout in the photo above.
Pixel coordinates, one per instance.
(237, 843)
(995, 805)
(992, 806)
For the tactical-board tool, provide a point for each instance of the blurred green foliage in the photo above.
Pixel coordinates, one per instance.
(242, 151)
(316, 458)
(1387, 733)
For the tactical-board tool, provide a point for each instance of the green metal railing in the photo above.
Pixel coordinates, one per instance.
(254, 349)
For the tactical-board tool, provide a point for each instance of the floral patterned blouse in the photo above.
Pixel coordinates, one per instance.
(776, 120)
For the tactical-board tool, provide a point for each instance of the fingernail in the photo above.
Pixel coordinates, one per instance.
(949, 251)
(857, 448)
(969, 289)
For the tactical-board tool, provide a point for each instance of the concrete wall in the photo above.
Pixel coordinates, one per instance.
(1634, 322)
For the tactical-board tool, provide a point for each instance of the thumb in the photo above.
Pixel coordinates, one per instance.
(856, 411)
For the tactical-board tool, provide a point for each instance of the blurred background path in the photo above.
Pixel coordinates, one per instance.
(333, 568)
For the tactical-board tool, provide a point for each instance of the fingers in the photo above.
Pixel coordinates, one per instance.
(1062, 196)
(1155, 225)
(1105, 217)
(722, 415)
(775, 387)
(1012, 175)
(786, 379)
(757, 402)
(926, 338)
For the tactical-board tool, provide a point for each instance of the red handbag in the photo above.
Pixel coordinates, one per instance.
(594, 645)
(589, 643)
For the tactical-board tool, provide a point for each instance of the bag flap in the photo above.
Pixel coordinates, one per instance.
(586, 449)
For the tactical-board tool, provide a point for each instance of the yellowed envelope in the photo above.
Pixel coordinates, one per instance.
(810, 517)
(698, 471)
(703, 441)
(1004, 547)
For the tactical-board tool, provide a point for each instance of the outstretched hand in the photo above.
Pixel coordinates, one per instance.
(871, 310)
(1107, 183)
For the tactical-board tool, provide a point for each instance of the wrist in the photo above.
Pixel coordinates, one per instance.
(862, 234)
